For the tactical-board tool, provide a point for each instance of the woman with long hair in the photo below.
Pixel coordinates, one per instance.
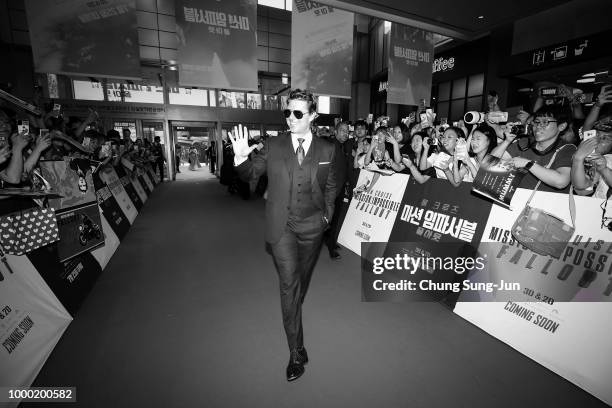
(482, 140)
(411, 157)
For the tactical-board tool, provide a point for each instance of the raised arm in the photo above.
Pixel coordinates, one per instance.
(247, 170)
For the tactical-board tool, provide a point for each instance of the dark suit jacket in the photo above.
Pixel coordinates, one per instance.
(276, 159)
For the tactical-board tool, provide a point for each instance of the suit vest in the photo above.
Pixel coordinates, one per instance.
(301, 203)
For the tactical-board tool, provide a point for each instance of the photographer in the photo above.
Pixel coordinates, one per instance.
(378, 151)
(549, 122)
(411, 157)
(444, 168)
(481, 142)
(361, 144)
(604, 97)
(592, 164)
(12, 172)
(41, 143)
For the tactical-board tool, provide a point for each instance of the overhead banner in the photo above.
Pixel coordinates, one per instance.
(217, 43)
(32, 321)
(410, 57)
(88, 38)
(321, 48)
(564, 302)
(372, 210)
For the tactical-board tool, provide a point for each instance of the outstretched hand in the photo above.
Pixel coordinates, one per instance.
(240, 142)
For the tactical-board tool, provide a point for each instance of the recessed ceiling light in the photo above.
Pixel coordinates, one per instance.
(480, 17)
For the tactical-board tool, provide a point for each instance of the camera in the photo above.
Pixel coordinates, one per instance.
(473, 117)
(519, 129)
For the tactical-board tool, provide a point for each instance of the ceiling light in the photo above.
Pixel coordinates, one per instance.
(387, 27)
(480, 17)
(524, 89)
(590, 74)
(585, 80)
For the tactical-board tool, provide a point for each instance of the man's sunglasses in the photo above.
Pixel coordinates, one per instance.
(298, 114)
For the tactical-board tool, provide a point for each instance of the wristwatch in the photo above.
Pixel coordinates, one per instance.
(529, 164)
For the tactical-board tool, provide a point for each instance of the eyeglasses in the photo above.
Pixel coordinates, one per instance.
(542, 123)
(298, 114)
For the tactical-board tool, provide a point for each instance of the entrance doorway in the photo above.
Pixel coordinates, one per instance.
(194, 144)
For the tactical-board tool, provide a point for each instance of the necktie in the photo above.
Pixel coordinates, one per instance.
(300, 151)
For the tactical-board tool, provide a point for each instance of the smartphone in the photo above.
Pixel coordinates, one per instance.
(370, 118)
(105, 151)
(589, 134)
(23, 127)
(86, 142)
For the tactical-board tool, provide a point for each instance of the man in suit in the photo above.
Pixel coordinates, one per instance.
(343, 166)
(300, 205)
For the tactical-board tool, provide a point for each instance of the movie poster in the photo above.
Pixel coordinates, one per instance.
(109, 176)
(321, 48)
(561, 315)
(32, 320)
(77, 212)
(373, 209)
(497, 179)
(217, 43)
(122, 173)
(72, 179)
(410, 58)
(86, 38)
(110, 209)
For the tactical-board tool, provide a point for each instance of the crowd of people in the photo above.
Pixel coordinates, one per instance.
(425, 147)
(26, 139)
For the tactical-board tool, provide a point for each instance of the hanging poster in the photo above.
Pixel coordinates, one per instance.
(217, 43)
(321, 48)
(410, 58)
(87, 38)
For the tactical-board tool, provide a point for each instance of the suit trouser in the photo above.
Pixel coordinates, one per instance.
(295, 256)
(159, 164)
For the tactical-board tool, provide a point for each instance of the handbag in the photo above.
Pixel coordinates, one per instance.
(24, 231)
(542, 232)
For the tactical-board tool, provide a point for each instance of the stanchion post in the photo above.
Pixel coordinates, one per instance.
(168, 143)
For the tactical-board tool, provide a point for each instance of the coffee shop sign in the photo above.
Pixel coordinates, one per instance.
(443, 64)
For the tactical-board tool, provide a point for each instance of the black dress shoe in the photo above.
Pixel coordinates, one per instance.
(295, 368)
(334, 255)
(303, 355)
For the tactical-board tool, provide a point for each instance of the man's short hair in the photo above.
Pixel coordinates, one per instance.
(361, 122)
(127, 130)
(113, 134)
(559, 113)
(157, 138)
(345, 123)
(304, 95)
